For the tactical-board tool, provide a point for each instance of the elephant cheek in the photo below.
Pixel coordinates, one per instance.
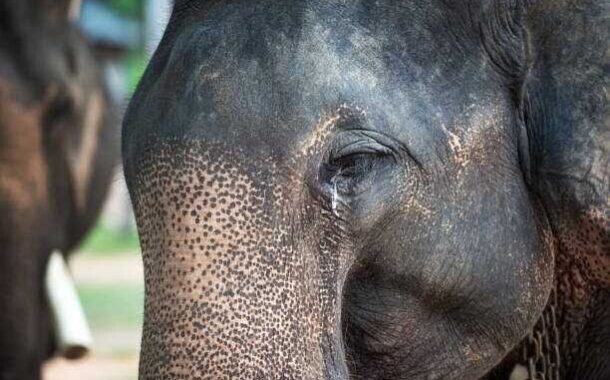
(228, 294)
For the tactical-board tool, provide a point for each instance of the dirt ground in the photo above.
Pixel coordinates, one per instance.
(92, 368)
(116, 340)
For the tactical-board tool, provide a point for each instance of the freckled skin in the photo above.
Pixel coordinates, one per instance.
(365, 190)
(58, 151)
(225, 265)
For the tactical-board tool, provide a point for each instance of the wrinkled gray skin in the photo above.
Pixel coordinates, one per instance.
(372, 189)
(58, 150)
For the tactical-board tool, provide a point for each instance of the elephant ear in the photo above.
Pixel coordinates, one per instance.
(567, 119)
(69, 9)
(53, 11)
(81, 137)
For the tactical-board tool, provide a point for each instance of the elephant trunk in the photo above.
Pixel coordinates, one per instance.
(234, 288)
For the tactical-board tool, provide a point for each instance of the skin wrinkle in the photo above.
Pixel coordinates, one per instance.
(469, 139)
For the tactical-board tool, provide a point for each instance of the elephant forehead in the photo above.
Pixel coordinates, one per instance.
(265, 83)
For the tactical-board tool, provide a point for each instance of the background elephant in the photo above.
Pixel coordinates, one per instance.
(375, 190)
(58, 150)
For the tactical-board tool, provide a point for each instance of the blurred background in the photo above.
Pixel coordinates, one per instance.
(107, 267)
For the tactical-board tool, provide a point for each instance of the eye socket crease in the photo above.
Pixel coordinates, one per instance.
(361, 147)
(363, 141)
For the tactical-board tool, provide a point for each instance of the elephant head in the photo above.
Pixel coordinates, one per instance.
(371, 190)
(58, 149)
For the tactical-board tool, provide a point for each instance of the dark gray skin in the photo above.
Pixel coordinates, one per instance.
(58, 150)
(373, 189)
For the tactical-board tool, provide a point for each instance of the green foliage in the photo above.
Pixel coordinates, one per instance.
(112, 305)
(135, 64)
(129, 8)
(105, 240)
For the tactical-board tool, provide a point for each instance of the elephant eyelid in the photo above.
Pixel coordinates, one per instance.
(374, 142)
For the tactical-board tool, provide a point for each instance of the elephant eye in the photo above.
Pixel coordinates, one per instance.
(354, 165)
(353, 173)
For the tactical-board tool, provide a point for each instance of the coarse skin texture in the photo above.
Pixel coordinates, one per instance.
(372, 189)
(58, 151)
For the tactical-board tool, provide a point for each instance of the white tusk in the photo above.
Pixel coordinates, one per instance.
(74, 9)
(72, 332)
(519, 373)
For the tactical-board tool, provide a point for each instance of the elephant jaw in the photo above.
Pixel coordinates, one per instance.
(72, 333)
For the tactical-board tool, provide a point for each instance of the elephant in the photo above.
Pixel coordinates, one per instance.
(389, 189)
(59, 148)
